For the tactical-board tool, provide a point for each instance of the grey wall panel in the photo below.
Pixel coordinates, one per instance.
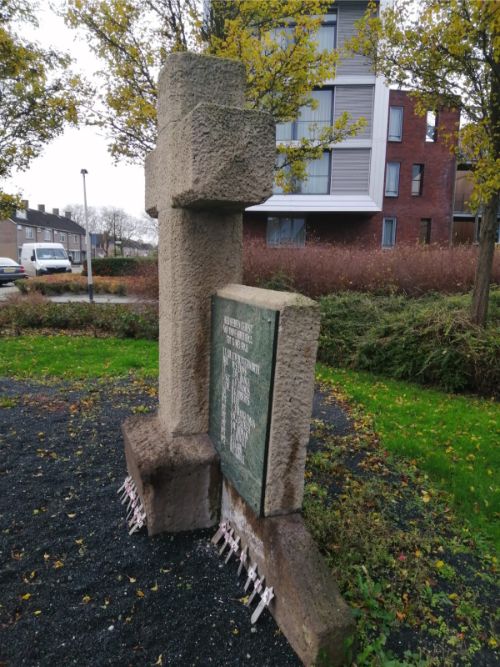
(347, 14)
(358, 102)
(350, 171)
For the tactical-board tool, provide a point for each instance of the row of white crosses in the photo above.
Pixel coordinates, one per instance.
(231, 542)
(136, 515)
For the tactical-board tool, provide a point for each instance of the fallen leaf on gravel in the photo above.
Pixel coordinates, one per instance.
(155, 587)
(72, 515)
(86, 599)
(132, 580)
(37, 612)
(46, 556)
(58, 564)
(26, 596)
(159, 662)
(139, 593)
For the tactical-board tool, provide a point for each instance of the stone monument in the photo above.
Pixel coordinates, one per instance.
(236, 363)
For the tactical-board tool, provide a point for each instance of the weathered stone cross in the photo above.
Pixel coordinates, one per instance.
(213, 158)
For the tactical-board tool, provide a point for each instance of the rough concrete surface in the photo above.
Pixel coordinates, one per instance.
(227, 158)
(200, 250)
(178, 479)
(307, 605)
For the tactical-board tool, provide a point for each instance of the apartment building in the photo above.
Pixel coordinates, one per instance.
(29, 225)
(364, 190)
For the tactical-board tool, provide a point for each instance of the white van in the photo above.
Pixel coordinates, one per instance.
(40, 259)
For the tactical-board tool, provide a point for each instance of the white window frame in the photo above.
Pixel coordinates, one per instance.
(47, 236)
(431, 120)
(28, 232)
(394, 112)
(397, 167)
(62, 237)
(417, 180)
(391, 242)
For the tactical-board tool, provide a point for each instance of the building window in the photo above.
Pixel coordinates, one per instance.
(47, 235)
(62, 237)
(326, 36)
(318, 177)
(310, 121)
(425, 230)
(417, 179)
(317, 181)
(395, 132)
(388, 232)
(75, 238)
(286, 231)
(431, 132)
(392, 179)
(29, 232)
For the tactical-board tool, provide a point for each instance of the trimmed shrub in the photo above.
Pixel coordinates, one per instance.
(74, 284)
(429, 340)
(120, 266)
(122, 321)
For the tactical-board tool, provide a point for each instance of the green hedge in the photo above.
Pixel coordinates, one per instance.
(122, 321)
(120, 266)
(429, 340)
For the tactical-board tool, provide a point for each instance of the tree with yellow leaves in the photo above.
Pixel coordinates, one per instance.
(277, 40)
(38, 95)
(447, 52)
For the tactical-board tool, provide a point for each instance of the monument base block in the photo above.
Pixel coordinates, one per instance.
(307, 605)
(178, 478)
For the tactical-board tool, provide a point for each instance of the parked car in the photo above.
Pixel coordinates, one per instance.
(10, 270)
(40, 259)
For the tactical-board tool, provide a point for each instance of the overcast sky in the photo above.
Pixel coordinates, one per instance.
(54, 178)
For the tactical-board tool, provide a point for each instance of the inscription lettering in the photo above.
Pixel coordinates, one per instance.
(240, 389)
(236, 385)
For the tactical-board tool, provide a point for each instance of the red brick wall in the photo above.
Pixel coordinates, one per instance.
(436, 201)
(8, 245)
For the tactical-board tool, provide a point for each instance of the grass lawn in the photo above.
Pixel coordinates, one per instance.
(454, 439)
(76, 356)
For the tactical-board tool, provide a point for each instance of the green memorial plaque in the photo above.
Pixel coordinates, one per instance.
(242, 364)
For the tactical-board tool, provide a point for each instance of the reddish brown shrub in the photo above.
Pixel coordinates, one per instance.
(319, 268)
(144, 283)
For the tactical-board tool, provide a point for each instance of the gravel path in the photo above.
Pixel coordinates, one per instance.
(76, 589)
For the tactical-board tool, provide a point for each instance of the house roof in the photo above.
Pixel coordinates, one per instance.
(37, 218)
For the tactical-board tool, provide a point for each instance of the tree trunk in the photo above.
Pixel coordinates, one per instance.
(480, 294)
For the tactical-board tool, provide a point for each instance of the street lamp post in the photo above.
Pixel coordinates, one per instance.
(90, 285)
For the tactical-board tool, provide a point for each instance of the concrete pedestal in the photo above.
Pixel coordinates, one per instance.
(178, 479)
(307, 605)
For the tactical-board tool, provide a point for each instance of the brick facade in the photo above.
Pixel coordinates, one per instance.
(435, 202)
(8, 239)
